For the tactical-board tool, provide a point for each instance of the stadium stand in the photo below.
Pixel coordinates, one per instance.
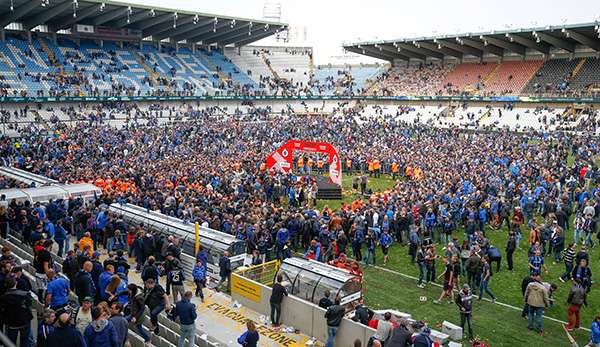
(552, 77)
(510, 77)
(468, 77)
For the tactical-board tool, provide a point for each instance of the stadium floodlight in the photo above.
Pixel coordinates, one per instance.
(538, 40)
(45, 3)
(250, 29)
(534, 33)
(232, 24)
(175, 20)
(102, 7)
(395, 44)
(195, 20)
(439, 46)
(152, 13)
(12, 6)
(129, 12)
(266, 26)
(485, 42)
(399, 49)
(481, 37)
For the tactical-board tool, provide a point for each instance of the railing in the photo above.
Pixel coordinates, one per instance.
(263, 273)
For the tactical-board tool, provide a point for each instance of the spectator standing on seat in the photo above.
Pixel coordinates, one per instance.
(84, 283)
(84, 314)
(120, 323)
(43, 262)
(334, 315)
(464, 300)
(250, 337)
(101, 332)
(136, 312)
(65, 334)
(186, 311)
(224, 271)
(176, 278)
(277, 294)
(57, 294)
(536, 296)
(15, 310)
(157, 301)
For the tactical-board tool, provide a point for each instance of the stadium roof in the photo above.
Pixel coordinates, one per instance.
(521, 42)
(160, 23)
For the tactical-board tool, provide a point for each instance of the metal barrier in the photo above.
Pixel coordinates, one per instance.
(263, 273)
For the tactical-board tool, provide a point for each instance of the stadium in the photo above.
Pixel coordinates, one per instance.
(179, 178)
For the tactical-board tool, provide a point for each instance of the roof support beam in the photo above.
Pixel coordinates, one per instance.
(145, 24)
(443, 50)
(479, 45)
(422, 51)
(540, 47)
(387, 56)
(19, 12)
(135, 17)
(406, 53)
(513, 47)
(584, 40)
(556, 42)
(67, 22)
(372, 55)
(207, 30)
(177, 34)
(221, 35)
(167, 26)
(45, 16)
(464, 49)
(108, 16)
(251, 39)
(238, 31)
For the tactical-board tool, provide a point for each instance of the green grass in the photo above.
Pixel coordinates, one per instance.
(348, 195)
(495, 324)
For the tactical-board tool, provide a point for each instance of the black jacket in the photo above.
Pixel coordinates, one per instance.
(224, 267)
(65, 336)
(84, 285)
(278, 293)
(334, 315)
(401, 337)
(15, 308)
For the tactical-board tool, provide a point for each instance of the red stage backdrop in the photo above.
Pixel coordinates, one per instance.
(281, 159)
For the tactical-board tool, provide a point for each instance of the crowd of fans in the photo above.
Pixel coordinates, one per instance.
(211, 170)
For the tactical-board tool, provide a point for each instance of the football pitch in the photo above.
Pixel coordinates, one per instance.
(392, 286)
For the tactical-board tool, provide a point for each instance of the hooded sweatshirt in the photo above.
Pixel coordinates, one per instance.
(101, 333)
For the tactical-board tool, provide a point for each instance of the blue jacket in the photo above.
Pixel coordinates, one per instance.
(67, 336)
(429, 219)
(282, 236)
(386, 240)
(199, 272)
(103, 282)
(101, 333)
(186, 311)
(595, 333)
(60, 234)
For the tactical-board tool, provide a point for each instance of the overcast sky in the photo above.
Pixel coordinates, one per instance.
(329, 23)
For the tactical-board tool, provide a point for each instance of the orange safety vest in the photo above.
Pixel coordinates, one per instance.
(409, 171)
(310, 162)
(370, 165)
(376, 164)
(300, 162)
(395, 167)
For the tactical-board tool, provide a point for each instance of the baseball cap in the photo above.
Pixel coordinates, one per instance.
(88, 298)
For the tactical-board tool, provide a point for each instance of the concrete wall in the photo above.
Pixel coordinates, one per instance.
(305, 316)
